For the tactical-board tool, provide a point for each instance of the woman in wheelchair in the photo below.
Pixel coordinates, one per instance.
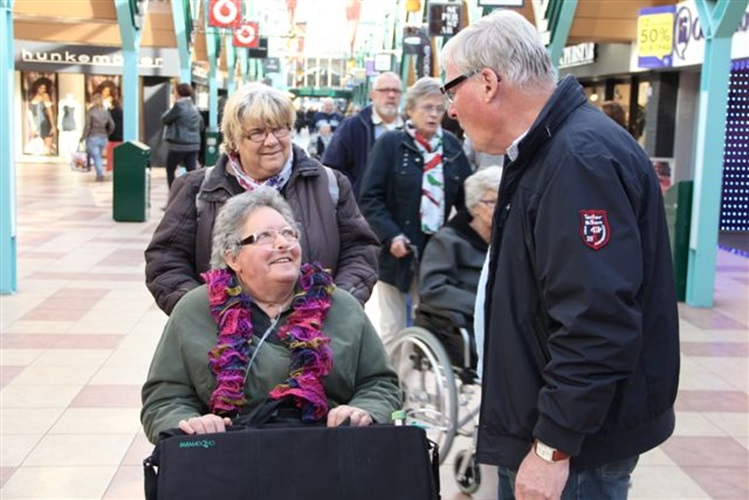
(451, 266)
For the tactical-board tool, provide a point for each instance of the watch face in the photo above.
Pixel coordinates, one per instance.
(545, 452)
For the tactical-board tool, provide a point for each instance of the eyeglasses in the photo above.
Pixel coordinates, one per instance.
(489, 203)
(261, 135)
(447, 88)
(431, 108)
(388, 90)
(267, 237)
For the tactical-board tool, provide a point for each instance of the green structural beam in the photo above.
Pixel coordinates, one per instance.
(8, 260)
(719, 19)
(560, 15)
(130, 19)
(231, 64)
(182, 18)
(213, 49)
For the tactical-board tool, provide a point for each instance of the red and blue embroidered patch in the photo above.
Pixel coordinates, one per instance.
(594, 228)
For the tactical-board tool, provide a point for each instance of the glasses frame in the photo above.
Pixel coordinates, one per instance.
(388, 90)
(252, 239)
(286, 132)
(447, 88)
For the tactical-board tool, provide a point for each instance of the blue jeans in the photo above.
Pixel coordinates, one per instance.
(610, 481)
(95, 145)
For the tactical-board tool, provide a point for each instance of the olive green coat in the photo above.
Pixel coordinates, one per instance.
(180, 383)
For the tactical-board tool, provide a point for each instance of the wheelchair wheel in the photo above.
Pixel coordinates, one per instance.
(428, 384)
(467, 472)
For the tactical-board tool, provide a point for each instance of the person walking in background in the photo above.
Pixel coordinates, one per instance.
(329, 114)
(115, 137)
(413, 182)
(581, 353)
(183, 127)
(258, 151)
(615, 111)
(349, 148)
(99, 125)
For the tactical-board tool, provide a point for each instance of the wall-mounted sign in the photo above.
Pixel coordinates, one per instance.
(578, 55)
(655, 27)
(416, 42)
(40, 56)
(501, 3)
(383, 62)
(689, 41)
(445, 18)
(271, 65)
(261, 51)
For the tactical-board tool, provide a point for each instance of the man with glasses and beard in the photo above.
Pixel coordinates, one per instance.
(349, 149)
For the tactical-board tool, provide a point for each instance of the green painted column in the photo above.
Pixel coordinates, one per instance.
(8, 259)
(719, 20)
(182, 22)
(561, 13)
(130, 34)
(231, 64)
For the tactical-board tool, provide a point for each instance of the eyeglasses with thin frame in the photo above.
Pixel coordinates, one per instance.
(450, 87)
(489, 203)
(260, 136)
(430, 108)
(388, 90)
(267, 237)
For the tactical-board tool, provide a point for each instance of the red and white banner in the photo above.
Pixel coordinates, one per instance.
(247, 35)
(225, 13)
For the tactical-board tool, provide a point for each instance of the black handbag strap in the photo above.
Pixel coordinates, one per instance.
(151, 479)
(435, 466)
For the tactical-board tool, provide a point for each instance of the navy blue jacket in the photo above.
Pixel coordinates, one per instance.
(349, 148)
(391, 197)
(582, 342)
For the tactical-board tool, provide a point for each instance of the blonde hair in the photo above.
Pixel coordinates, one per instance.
(255, 102)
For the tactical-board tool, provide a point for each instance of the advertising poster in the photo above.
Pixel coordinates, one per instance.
(40, 106)
(106, 85)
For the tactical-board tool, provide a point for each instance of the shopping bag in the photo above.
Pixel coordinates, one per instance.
(79, 159)
(274, 462)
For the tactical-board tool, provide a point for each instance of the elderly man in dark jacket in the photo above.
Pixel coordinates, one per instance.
(581, 363)
(258, 144)
(349, 148)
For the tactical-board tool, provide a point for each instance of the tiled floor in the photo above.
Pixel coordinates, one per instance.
(77, 338)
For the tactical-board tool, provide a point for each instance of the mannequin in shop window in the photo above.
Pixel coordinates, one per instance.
(42, 118)
(68, 126)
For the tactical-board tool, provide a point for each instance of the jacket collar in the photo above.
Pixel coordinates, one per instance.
(567, 97)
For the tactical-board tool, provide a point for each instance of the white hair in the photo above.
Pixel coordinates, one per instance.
(507, 43)
(475, 185)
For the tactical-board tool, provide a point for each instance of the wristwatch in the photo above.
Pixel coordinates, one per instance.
(548, 453)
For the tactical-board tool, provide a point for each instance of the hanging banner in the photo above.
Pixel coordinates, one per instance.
(246, 35)
(445, 18)
(655, 29)
(225, 13)
(261, 51)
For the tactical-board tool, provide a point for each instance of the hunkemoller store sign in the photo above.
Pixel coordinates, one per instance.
(37, 56)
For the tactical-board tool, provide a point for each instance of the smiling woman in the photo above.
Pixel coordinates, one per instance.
(258, 152)
(314, 348)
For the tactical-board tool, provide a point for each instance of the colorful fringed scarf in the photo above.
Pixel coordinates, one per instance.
(432, 211)
(311, 357)
(249, 184)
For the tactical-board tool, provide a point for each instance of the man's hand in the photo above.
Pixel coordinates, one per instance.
(539, 479)
(399, 247)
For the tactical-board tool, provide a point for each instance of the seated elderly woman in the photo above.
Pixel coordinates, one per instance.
(265, 325)
(451, 266)
(258, 151)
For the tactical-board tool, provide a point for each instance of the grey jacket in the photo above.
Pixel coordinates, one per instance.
(183, 126)
(337, 237)
(98, 123)
(180, 382)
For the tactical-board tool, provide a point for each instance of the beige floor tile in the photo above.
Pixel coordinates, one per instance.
(23, 421)
(120, 375)
(73, 357)
(656, 456)
(98, 421)
(735, 425)
(38, 396)
(140, 358)
(15, 448)
(19, 357)
(690, 423)
(664, 483)
(62, 482)
(127, 483)
(79, 450)
(55, 375)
